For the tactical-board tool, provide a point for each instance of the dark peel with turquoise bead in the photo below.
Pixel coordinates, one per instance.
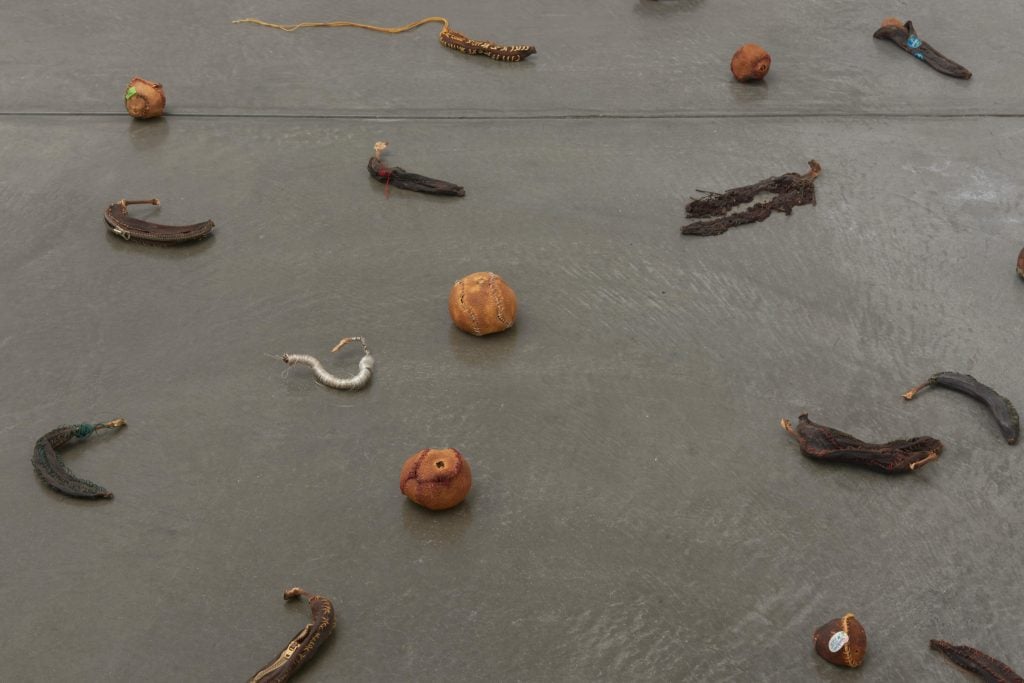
(907, 39)
(50, 466)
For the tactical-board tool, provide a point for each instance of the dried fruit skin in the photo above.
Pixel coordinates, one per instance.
(1020, 263)
(750, 63)
(892, 21)
(828, 444)
(482, 303)
(436, 478)
(144, 99)
(842, 642)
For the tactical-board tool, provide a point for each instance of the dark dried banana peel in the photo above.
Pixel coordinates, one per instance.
(129, 228)
(1002, 410)
(907, 39)
(826, 444)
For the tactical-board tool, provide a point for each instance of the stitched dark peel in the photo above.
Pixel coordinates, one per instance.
(50, 466)
(990, 669)
(823, 443)
(496, 51)
(907, 39)
(134, 228)
(790, 190)
(305, 643)
(447, 37)
(1002, 410)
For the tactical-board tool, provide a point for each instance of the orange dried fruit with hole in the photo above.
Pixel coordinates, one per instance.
(842, 642)
(436, 478)
(482, 303)
(751, 63)
(144, 99)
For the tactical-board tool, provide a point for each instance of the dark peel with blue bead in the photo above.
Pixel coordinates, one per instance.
(826, 444)
(990, 669)
(1002, 410)
(50, 466)
(906, 37)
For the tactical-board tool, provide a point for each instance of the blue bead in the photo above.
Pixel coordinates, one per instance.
(913, 42)
(84, 430)
(919, 55)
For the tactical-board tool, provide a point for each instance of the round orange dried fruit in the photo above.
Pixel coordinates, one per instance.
(436, 478)
(482, 303)
(750, 63)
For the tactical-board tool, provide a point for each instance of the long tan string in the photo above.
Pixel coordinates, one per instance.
(334, 24)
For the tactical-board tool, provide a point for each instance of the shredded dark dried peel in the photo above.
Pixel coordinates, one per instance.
(790, 190)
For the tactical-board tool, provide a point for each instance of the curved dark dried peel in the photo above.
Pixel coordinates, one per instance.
(50, 466)
(989, 668)
(1002, 410)
(906, 37)
(790, 190)
(1020, 263)
(402, 179)
(305, 643)
(819, 442)
(129, 228)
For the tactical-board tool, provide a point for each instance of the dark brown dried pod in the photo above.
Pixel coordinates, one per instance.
(305, 643)
(144, 99)
(819, 442)
(989, 668)
(436, 478)
(750, 63)
(129, 228)
(1020, 263)
(842, 642)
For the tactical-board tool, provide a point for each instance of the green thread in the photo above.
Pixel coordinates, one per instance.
(82, 431)
(130, 92)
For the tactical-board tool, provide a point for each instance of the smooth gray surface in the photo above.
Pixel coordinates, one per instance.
(637, 513)
(595, 57)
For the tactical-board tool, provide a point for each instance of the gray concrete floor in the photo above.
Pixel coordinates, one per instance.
(637, 514)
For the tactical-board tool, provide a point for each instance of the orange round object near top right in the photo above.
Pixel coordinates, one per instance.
(750, 63)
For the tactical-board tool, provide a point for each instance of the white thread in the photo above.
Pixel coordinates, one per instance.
(357, 381)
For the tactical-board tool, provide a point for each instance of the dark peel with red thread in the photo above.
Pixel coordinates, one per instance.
(130, 228)
(907, 39)
(1002, 410)
(819, 442)
(305, 643)
(402, 179)
(790, 190)
(990, 669)
(50, 466)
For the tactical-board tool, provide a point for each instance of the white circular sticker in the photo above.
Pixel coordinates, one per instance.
(836, 642)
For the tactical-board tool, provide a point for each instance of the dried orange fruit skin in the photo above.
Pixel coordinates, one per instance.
(144, 99)
(436, 478)
(750, 63)
(482, 303)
